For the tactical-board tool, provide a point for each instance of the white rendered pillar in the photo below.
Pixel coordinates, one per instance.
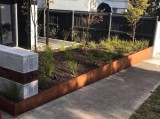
(34, 22)
(156, 45)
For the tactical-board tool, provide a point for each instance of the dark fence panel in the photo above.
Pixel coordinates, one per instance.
(41, 26)
(61, 22)
(145, 27)
(68, 22)
(97, 31)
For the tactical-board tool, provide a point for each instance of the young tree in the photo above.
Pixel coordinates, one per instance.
(89, 20)
(136, 8)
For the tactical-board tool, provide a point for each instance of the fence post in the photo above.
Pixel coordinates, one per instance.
(110, 23)
(47, 25)
(72, 26)
(44, 23)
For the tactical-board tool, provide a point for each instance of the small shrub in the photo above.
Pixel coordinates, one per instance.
(141, 44)
(47, 62)
(12, 92)
(119, 54)
(115, 37)
(53, 32)
(61, 47)
(103, 43)
(114, 41)
(66, 35)
(92, 44)
(42, 82)
(73, 67)
(76, 35)
(83, 44)
(73, 46)
(107, 57)
(145, 44)
(128, 49)
(68, 54)
(99, 53)
(90, 58)
(110, 48)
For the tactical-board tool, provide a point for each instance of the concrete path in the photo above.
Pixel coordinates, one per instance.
(115, 97)
(54, 43)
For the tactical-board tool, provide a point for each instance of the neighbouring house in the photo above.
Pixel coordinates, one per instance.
(114, 6)
(16, 24)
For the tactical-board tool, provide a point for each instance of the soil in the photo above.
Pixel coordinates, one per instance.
(62, 71)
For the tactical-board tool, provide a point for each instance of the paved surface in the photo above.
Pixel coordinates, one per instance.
(54, 43)
(115, 97)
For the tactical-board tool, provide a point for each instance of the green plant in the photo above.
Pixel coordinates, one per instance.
(66, 35)
(115, 40)
(90, 58)
(141, 44)
(136, 8)
(92, 44)
(53, 32)
(99, 53)
(42, 82)
(90, 20)
(61, 47)
(145, 43)
(102, 54)
(150, 108)
(47, 62)
(128, 49)
(83, 44)
(110, 48)
(76, 35)
(73, 67)
(103, 42)
(73, 46)
(12, 92)
(68, 54)
(107, 57)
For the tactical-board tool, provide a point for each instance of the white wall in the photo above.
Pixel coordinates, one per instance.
(87, 5)
(76, 5)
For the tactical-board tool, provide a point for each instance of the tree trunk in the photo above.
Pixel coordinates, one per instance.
(133, 32)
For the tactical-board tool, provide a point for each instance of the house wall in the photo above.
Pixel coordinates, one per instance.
(6, 21)
(117, 6)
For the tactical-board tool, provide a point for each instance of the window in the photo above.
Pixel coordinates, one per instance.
(6, 33)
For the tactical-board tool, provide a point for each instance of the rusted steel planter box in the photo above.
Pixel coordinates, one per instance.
(68, 86)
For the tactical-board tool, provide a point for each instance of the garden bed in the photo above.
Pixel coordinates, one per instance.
(64, 86)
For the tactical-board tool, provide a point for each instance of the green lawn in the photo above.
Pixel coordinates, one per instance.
(150, 109)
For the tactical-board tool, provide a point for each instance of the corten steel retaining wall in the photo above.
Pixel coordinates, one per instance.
(73, 84)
